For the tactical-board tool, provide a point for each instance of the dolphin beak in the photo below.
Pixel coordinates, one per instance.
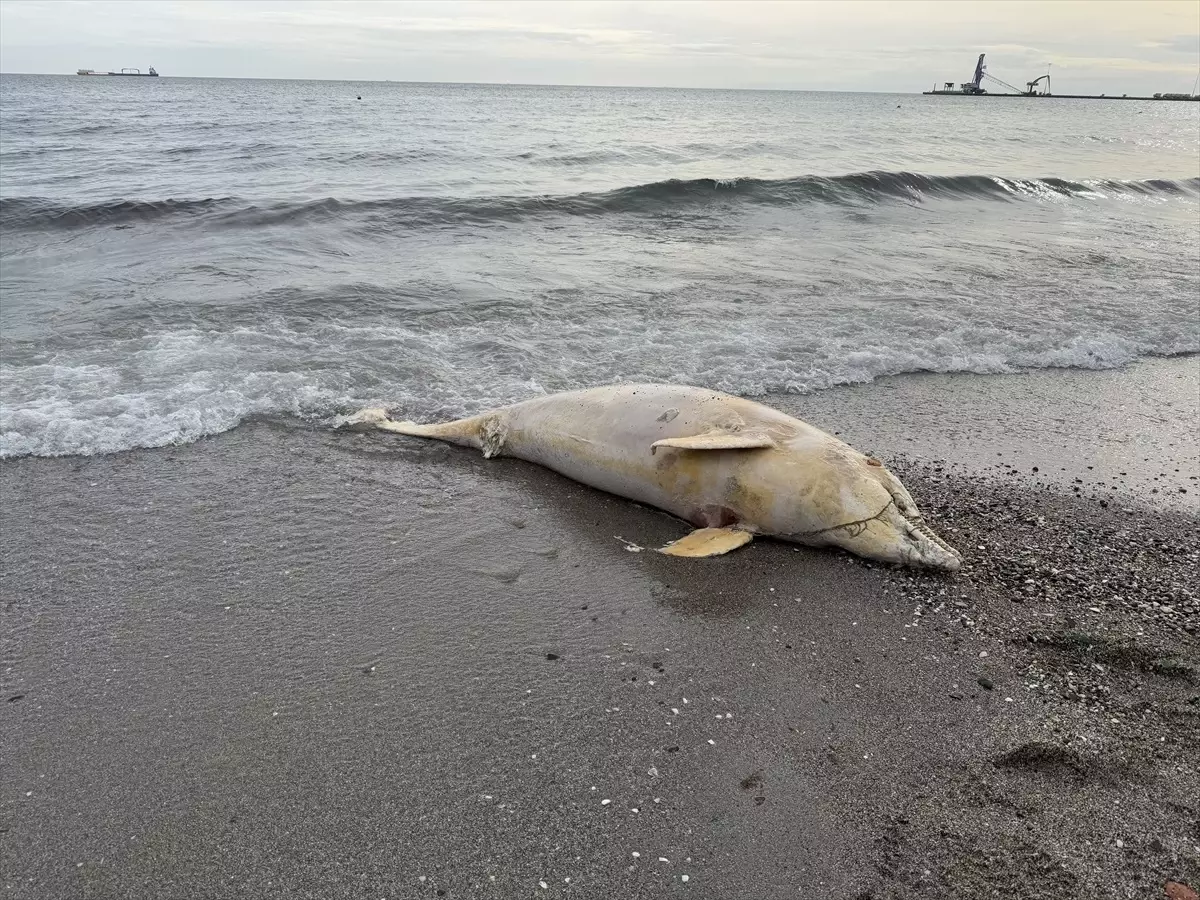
(897, 537)
(927, 549)
(901, 532)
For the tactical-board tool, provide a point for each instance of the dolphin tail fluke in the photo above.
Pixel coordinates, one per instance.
(483, 432)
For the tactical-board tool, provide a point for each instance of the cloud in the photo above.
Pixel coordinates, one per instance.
(1182, 43)
(865, 45)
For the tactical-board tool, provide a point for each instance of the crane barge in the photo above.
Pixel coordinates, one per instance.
(975, 88)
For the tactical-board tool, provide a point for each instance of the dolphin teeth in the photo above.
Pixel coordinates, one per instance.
(917, 525)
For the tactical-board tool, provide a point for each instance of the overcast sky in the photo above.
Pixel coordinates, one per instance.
(1098, 46)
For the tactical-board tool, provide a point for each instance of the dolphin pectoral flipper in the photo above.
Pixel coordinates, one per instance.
(718, 440)
(708, 542)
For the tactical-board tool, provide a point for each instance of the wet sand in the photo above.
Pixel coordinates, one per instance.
(285, 662)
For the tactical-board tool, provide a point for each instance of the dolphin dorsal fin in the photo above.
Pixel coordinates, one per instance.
(718, 440)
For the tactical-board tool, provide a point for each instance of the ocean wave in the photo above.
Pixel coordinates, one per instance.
(379, 156)
(585, 158)
(95, 128)
(38, 214)
(859, 189)
(178, 386)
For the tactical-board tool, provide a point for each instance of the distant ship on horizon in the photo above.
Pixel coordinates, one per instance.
(132, 73)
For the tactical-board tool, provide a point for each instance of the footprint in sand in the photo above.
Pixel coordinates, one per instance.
(505, 575)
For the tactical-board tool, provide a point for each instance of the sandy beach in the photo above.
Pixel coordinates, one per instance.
(290, 662)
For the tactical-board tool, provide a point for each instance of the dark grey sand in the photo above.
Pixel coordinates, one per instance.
(285, 662)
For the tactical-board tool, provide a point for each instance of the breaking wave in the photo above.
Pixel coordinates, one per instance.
(859, 189)
(178, 386)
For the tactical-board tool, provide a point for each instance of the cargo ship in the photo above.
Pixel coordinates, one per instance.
(130, 73)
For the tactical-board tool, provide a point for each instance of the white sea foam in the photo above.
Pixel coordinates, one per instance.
(179, 386)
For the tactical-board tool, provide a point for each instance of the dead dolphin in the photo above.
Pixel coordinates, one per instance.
(731, 467)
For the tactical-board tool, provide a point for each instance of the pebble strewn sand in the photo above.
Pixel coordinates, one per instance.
(284, 662)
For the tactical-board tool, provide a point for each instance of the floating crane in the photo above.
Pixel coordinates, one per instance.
(975, 85)
(982, 69)
(975, 88)
(1032, 85)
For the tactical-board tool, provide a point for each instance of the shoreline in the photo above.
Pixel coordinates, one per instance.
(1128, 432)
(286, 661)
(1062, 420)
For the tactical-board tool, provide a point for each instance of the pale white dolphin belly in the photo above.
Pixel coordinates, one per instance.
(730, 466)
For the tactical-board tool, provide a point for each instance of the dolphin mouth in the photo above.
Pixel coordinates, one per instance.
(926, 547)
(897, 533)
(930, 549)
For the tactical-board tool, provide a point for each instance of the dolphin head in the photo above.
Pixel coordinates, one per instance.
(871, 514)
(897, 536)
(897, 533)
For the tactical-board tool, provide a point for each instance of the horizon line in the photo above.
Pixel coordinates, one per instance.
(647, 87)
